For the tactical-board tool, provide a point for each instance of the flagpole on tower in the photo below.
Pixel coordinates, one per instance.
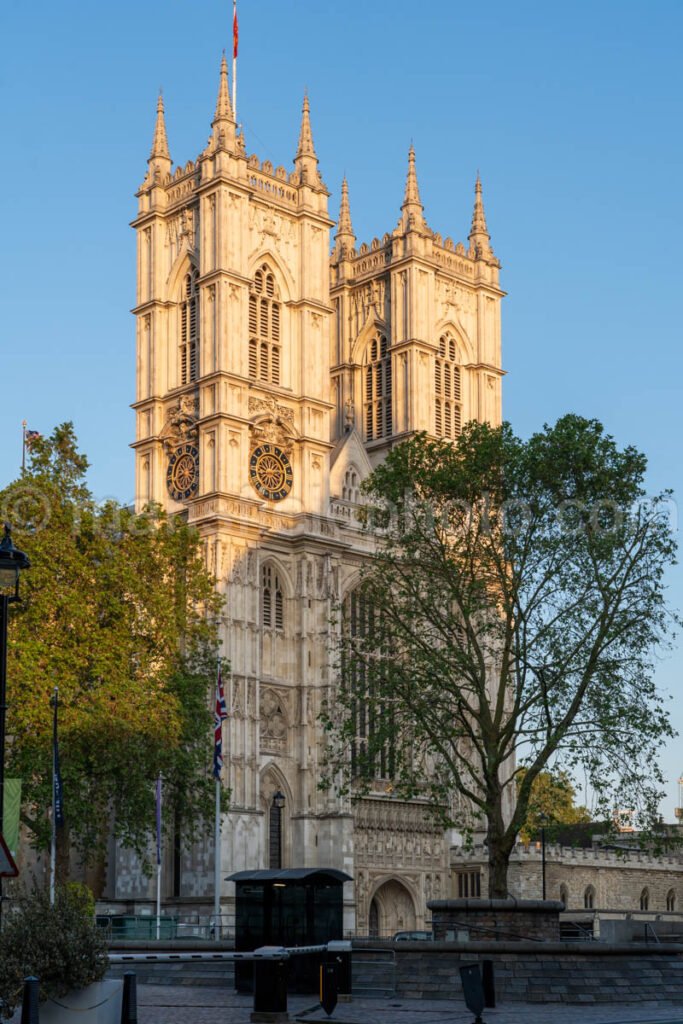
(235, 38)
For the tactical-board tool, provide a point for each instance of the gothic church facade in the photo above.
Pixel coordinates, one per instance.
(277, 363)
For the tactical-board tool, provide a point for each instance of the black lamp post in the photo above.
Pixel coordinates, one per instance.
(278, 804)
(12, 561)
(543, 818)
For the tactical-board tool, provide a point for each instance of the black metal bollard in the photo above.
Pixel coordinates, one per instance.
(29, 1004)
(270, 988)
(489, 983)
(473, 990)
(329, 987)
(129, 1005)
(340, 951)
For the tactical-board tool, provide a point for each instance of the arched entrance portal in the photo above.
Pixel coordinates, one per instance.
(391, 910)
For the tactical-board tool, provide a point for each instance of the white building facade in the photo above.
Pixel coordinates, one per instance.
(277, 363)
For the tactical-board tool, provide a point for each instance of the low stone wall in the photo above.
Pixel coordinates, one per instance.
(496, 920)
(547, 973)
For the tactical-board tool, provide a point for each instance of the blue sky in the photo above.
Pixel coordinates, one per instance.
(571, 112)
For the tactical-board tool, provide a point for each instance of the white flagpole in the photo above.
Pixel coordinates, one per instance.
(53, 836)
(158, 814)
(217, 866)
(234, 61)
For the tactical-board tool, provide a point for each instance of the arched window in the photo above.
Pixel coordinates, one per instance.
(671, 901)
(189, 329)
(645, 899)
(564, 896)
(447, 390)
(589, 898)
(272, 601)
(377, 405)
(264, 328)
(368, 758)
(351, 485)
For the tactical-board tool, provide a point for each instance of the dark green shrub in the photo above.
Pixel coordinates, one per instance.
(59, 944)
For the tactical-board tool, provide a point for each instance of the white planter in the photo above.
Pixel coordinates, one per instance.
(99, 1003)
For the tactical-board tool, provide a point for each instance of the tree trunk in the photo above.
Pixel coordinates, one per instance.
(498, 871)
(500, 844)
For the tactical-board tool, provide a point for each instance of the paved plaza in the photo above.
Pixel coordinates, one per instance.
(161, 1004)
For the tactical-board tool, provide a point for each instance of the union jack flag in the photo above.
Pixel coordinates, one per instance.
(220, 714)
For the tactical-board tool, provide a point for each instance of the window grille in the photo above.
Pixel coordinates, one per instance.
(189, 329)
(447, 390)
(264, 328)
(469, 884)
(272, 599)
(378, 409)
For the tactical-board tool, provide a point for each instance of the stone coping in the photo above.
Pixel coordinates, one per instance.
(526, 948)
(511, 906)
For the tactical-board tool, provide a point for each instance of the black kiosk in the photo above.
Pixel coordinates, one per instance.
(288, 907)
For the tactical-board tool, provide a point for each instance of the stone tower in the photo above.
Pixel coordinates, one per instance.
(271, 377)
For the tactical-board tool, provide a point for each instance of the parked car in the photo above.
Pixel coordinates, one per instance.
(412, 937)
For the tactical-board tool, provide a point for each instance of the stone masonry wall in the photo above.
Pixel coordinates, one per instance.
(495, 920)
(618, 879)
(547, 975)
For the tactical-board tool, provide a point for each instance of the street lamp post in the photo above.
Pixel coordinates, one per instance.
(543, 818)
(12, 561)
(279, 803)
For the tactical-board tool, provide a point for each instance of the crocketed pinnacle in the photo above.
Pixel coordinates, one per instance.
(345, 239)
(160, 149)
(306, 147)
(480, 240)
(306, 161)
(223, 104)
(413, 210)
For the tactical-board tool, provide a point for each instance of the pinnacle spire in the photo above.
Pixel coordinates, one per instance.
(413, 210)
(480, 240)
(306, 160)
(223, 104)
(160, 150)
(345, 239)
(306, 147)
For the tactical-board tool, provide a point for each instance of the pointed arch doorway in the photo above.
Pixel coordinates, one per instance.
(392, 909)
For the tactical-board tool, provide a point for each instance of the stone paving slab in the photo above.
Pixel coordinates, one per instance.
(161, 1004)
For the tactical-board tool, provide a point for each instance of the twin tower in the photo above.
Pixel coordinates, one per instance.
(277, 363)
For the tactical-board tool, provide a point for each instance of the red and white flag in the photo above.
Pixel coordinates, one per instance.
(235, 30)
(220, 714)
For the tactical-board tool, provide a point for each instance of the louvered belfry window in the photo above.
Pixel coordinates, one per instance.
(264, 328)
(272, 601)
(189, 329)
(377, 404)
(447, 390)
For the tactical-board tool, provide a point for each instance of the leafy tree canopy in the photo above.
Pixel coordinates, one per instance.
(120, 613)
(551, 802)
(508, 620)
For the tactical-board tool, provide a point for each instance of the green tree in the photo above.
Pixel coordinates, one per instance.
(119, 611)
(511, 612)
(551, 802)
